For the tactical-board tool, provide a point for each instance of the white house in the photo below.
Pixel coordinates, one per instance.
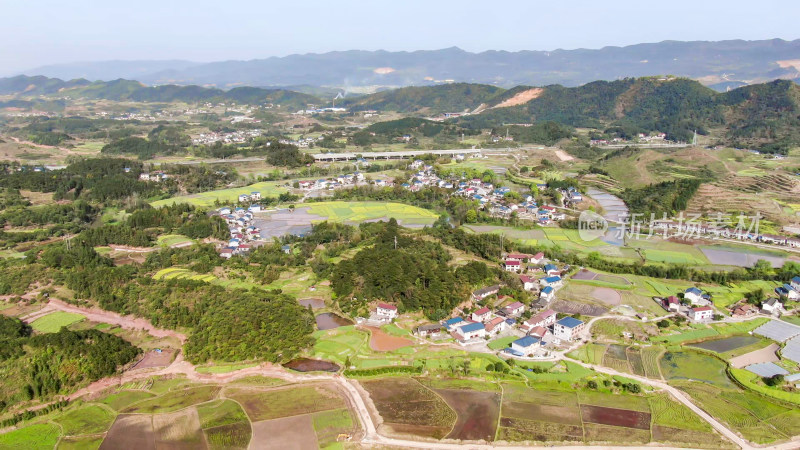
(528, 283)
(547, 293)
(512, 266)
(537, 258)
(255, 196)
(243, 198)
(386, 310)
(795, 283)
(454, 323)
(514, 309)
(482, 293)
(694, 295)
(772, 306)
(481, 315)
(554, 281)
(567, 328)
(702, 313)
(551, 270)
(471, 331)
(526, 345)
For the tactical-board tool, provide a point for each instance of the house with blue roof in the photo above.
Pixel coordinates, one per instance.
(795, 283)
(554, 281)
(526, 345)
(551, 269)
(547, 293)
(452, 324)
(567, 328)
(694, 296)
(471, 330)
(787, 291)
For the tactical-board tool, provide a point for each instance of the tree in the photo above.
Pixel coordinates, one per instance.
(663, 323)
(591, 384)
(465, 366)
(472, 216)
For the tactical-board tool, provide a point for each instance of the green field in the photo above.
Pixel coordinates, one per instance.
(207, 199)
(53, 322)
(363, 211)
(89, 419)
(173, 239)
(225, 368)
(34, 437)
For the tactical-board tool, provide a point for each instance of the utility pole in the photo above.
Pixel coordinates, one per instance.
(395, 242)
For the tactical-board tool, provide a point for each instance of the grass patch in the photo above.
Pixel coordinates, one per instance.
(502, 342)
(80, 443)
(225, 368)
(53, 322)
(208, 199)
(274, 404)
(689, 365)
(339, 211)
(174, 400)
(121, 400)
(220, 412)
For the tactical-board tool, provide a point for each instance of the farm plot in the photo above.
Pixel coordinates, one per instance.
(330, 424)
(689, 365)
(130, 431)
(295, 432)
(616, 417)
(284, 402)
(179, 430)
(514, 429)
(650, 357)
(357, 212)
(89, 419)
(52, 323)
(408, 407)
(224, 424)
(33, 437)
(478, 413)
(209, 199)
(174, 400)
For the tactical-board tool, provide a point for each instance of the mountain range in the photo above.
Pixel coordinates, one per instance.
(720, 64)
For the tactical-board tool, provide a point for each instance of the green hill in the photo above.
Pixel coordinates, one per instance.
(455, 97)
(37, 85)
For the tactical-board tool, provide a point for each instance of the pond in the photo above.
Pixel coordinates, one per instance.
(738, 257)
(311, 365)
(327, 321)
(314, 303)
(726, 344)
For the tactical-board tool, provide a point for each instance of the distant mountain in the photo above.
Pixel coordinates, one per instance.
(709, 62)
(119, 90)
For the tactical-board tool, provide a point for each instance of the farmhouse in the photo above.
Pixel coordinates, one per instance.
(672, 303)
(521, 257)
(547, 293)
(693, 295)
(553, 282)
(787, 291)
(528, 283)
(567, 328)
(551, 269)
(542, 319)
(428, 330)
(795, 283)
(538, 332)
(386, 310)
(496, 325)
(471, 331)
(243, 198)
(745, 310)
(772, 306)
(482, 293)
(512, 266)
(526, 345)
(481, 315)
(514, 309)
(537, 258)
(452, 324)
(702, 313)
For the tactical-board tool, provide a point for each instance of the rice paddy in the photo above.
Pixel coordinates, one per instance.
(225, 196)
(357, 212)
(53, 322)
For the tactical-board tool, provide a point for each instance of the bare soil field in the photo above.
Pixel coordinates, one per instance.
(547, 413)
(478, 413)
(133, 431)
(512, 429)
(617, 417)
(596, 433)
(569, 307)
(607, 296)
(283, 402)
(520, 98)
(153, 359)
(766, 354)
(287, 433)
(179, 430)
(408, 407)
(382, 342)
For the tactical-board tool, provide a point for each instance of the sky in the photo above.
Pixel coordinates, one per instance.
(34, 33)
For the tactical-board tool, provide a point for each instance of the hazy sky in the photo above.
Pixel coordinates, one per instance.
(40, 32)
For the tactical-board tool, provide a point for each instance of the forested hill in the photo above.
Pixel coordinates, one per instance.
(455, 97)
(763, 116)
(119, 90)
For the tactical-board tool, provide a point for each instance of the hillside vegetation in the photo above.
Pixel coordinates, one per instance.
(456, 97)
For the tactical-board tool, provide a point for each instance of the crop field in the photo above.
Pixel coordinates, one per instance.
(407, 406)
(746, 412)
(364, 211)
(689, 365)
(591, 353)
(225, 196)
(173, 239)
(477, 413)
(650, 358)
(283, 402)
(121, 400)
(52, 323)
(33, 437)
(329, 424)
(178, 430)
(88, 419)
(186, 274)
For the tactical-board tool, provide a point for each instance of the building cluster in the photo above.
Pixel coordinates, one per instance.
(311, 110)
(715, 230)
(640, 138)
(234, 137)
(341, 181)
(155, 176)
(241, 228)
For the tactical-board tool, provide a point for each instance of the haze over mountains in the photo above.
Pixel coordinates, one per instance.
(718, 64)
